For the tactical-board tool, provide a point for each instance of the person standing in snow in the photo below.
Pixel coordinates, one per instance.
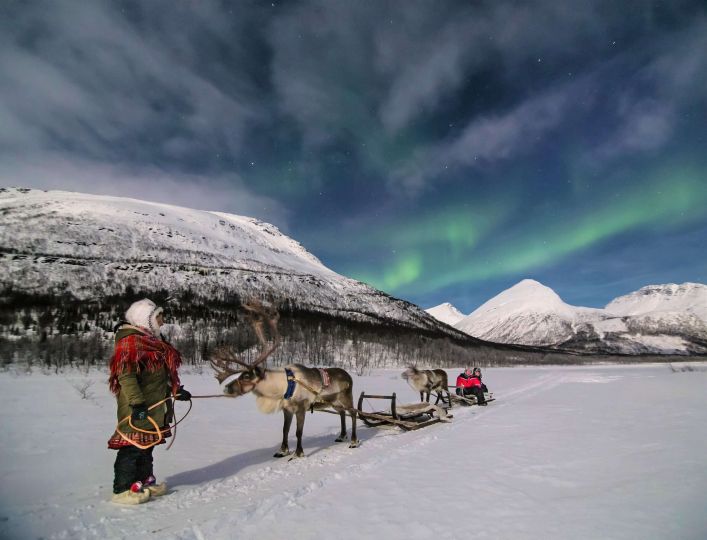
(143, 372)
(469, 382)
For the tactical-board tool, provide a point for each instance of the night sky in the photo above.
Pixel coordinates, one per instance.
(438, 150)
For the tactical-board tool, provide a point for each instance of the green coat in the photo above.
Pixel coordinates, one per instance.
(147, 387)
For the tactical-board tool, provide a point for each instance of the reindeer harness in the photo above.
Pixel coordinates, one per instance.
(292, 382)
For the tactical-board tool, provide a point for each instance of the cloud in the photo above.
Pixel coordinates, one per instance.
(661, 83)
(647, 110)
(116, 99)
(448, 47)
(495, 137)
(363, 68)
(645, 125)
(321, 68)
(225, 193)
(438, 54)
(491, 138)
(101, 83)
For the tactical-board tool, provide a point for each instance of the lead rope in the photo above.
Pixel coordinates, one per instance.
(157, 431)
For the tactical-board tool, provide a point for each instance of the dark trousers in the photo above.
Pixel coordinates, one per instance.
(477, 391)
(131, 465)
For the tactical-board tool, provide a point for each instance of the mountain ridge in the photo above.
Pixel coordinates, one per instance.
(640, 322)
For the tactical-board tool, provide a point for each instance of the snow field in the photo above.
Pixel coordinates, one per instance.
(582, 452)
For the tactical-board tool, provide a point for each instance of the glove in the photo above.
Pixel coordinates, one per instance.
(139, 412)
(182, 395)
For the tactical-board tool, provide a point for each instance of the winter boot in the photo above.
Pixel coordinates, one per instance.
(131, 497)
(155, 489)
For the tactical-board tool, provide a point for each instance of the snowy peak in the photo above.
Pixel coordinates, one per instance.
(446, 313)
(524, 296)
(528, 313)
(688, 298)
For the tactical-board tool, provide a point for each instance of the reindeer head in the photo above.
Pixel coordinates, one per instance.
(410, 373)
(416, 378)
(238, 381)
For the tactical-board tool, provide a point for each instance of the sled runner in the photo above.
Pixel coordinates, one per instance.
(408, 417)
(469, 399)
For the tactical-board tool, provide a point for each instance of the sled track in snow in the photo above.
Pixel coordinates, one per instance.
(541, 384)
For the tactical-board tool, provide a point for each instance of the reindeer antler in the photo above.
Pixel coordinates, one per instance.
(223, 359)
(260, 314)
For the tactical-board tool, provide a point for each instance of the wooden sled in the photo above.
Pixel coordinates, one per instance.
(407, 417)
(467, 400)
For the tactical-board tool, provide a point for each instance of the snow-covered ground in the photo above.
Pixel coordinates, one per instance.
(611, 452)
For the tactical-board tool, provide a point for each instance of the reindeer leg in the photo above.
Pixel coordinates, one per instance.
(349, 406)
(422, 396)
(342, 435)
(354, 439)
(284, 449)
(300, 428)
(346, 404)
(440, 397)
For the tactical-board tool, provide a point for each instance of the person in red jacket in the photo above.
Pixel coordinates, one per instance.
(469, 383)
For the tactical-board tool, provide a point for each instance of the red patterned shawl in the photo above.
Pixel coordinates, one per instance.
(141, 351)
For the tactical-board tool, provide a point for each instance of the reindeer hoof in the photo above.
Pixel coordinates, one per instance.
(341, 439)
(355, 444)
(281, 454)
(299, 453)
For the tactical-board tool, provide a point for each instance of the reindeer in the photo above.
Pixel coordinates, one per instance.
(293, 389)
(427, 381)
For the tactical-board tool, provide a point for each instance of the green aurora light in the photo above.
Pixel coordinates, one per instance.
(424, 264)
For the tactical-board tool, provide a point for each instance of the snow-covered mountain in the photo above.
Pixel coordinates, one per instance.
(660, 319)
(90, 246)
(446, 313)
(688, 298)
(528, 313)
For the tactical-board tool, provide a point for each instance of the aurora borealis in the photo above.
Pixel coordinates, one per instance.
(440, 151)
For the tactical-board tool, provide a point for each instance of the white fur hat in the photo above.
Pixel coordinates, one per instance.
(143, 313)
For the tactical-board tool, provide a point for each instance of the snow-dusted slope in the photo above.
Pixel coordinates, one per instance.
(687, 298)
(112, 228)
(661, 319)
(446, 313)
(94, 246)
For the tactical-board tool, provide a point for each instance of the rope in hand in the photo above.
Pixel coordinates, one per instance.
(157, 431)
